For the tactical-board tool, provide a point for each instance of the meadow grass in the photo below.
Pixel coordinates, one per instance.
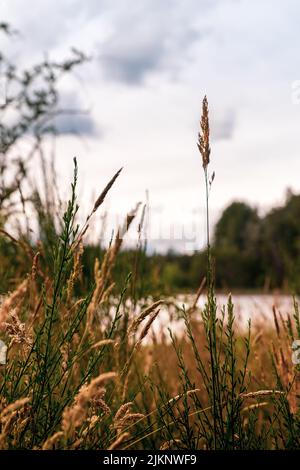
(88, 372)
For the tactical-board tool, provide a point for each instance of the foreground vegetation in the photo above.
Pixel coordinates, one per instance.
(87, 371)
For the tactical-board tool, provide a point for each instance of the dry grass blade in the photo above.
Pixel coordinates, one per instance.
(97, 204)
(144, 314)
(198, 293)
(25, 246)
(147, 327)
(261, 393)
(103, 342)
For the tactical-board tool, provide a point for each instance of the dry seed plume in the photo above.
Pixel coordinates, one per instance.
(97, 204)
(119, 441)
(8, 418)
(123, 410)
(12, 300)
(35, 265)
(124, 417)
(261, 393)
(16, 405)
(137, 345)
(76, 414)
(146, 328)
(203, 136)
(77, 268)
(101, 198)
(199, 292)
(51, 442)
(173, 444)
(17, 331)
(92, 422)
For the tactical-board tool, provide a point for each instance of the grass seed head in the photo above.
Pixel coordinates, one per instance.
(203, 136)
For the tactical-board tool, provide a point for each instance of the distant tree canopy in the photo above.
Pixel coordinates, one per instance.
(281, 242)
(237, 247)
(250, 252)
(238, 224)
(253, 251)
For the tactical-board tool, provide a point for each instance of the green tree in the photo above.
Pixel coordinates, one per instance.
(281, 243)
(237, 246)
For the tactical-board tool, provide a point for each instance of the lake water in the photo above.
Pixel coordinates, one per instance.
(258, 308)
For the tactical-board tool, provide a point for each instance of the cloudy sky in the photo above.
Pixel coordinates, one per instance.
(152, 62)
